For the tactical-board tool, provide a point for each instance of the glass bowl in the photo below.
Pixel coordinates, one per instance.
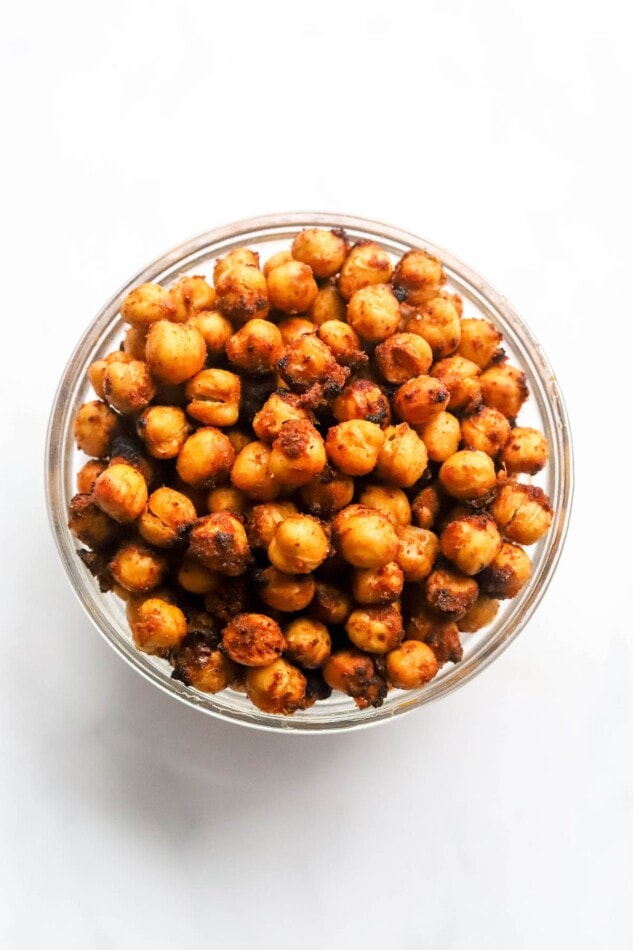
(544, 410)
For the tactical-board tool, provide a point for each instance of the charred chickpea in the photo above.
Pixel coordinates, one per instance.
(292, 287)
(137, 567)
(425, 507)
(328, 493)
(328, 305)
(127, 450)
(480, 341)
(94, 427)
(227, 598)
(205, 458)
(191, 295)
(175, 351)
(194, 578)
(251, 474)
(121, 491)
(216, 331)
(242, 293)
(362, 399)
(411, 665)
(331, 604)
(417, 552)
(377, 585)
(128, 387)
(366, 265)
(90, 525)
(242, 256)
(375, 629)
(88, 474)
(482, 613)
(419, 276)
(147, 304)
(263, 520)
(504, 387)
(526, 450)
(227, 498)
(461, 378)
(219, 542)
(523, 512)
(440, 634)
(438, 322)
(134, 343)
(167, 518)
(279, 408)
(365, 538)
(471, 543)
(403, 456)
(214, 397)
(164, 430)
(419, 399)
(468, 475)
(403, 356)
(323, 251)
(354, 446)
(299, 545)
(158, 626)
(256, 347)
(354, 673)
(485, 430)
(297, 455)
(294, 327)
(449, 592)
(441, 436)
(306, 361)
(507, 574)
(344, 343)
(276, 260)
(96, 370)
(388, 500)
(374, 312)
(286, 592)
(308, 642)
(277, 688)
(200, 664)
(253, 639)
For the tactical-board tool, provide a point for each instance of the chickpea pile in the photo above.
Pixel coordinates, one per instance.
(307, 476)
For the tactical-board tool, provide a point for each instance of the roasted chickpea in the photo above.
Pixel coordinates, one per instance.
(138, 568)
(485, 430)
(411, 665)
(121, 491)
(256, 347)
(251, 474)
(440, 634)
(242, 293)
(216, 331)
(158, 626)
(88, 474)
(299, 545)
(479, 341)
(328, 493)
(438, 322)
(461, 377)
(227, 598)
(390, 501)
(298, 454)
(147, 304)
(417, 552)
(175, 351)
(90, 525)
(189, 296)
(362, 399)
(403, 356)
(375, 629)
(482, 613)
(94, 427)
(200, 664)
(96, 370)
(242, 256)
(526, 450)
(308, 642)
(323, 251)
(374, 312)
(418, 276)
(134, 343)
(471, 542)
(366, 265)
(238, 439)
(227, 498)
(128, 387)
(504, 387)
(286, 592)
(220, 544)
(253, 640)
(277, 688)
(294, 327)
(214, 397)
(353, 446)
(449, 592)
(425, 507)
(292, 287)
(365, 538)
(354, 673)
(328, 305)
(306, 361)
(164, 430)
(332, 604)
(403, 456)
(127, 450)
(205, 459)
(507, 574)
(441, 436)
(279, 408)
(468, 475)
(378, 585)
(281, 257)
(344, 343)
(196, 579)
(523, 512)
(167, 518)
(419, 399)
(263, 520)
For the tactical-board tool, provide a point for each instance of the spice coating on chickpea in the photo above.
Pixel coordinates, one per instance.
(411, 665)
(251, 473)
(279, 408)
(449, 592)
(417, 552)
(366, 264)
(365, 538)
(167, 518)
(147, 304)
(353, 446)
(362, 399)
(308, 361)
(94, 428)
(375, 629)
(485, 430)
(419, 276)
(216, 331)
(471, 543)
(328, 493)
(227, 498)
(200, 664)
(242, 293)
(526, 450)
(403, 457)
(137, 567)
(292, 287)
(308, 642)
(439, 633)
(189, 296)
(299, 545)
(441, 436)
(425, 507)
(214, 397)
(256, 347)
(219, 542)
(128, 387)
(194, 578)
(504, 387)
(344, 343)
(523, 512)
(460, 376)
(402, 356)
(374, 313)
(298, 454)
(121, 491)
(378, 585)
(286, 592)
(90, 525)
(158, 626)
(479, 341)
(253, 640)
(389, 500)
(88, 474)
(419, 399)
(328, 305)
(206, 458)
(96, 370)
(438, 322)
(263, 520)
(242, 256)
(507, 574)
(468, 475)
(354, 673)
(174, 351)
(164, 430)
(277, 688)
(332, 603)
(323, 251)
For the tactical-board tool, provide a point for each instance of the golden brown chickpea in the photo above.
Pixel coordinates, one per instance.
(227, 498)
(366, 264)
(328, 493)
(238, 439)
(507, 574)
(479, 341)
(375, 629)
(323, 251)
(138, 568)
(417, 552)
(450, 593)
(438, 322)
(214, 397)
(127, 450)
(471, 543)
(374, 312)
(205, 459)
(167, 518)
(419, 276)
(90, 525)
(441, 635)
(403, 456)
(146, 304)
(308, 642)
(158, 626)
(292, 287)
(328, 305)
(504, 387)
(411, 665)
(419, 399)
(88, 474)
(378, 585)
(354, 673)
(343, 342)
(523, 512)
(216, 331)
(189, 296)
(198, 663)
(263, 520)
(134, 343)
(482, 613)
(365, 538)
(485, 430)
(253, 640)
(353, 446)
(164, 430)
(220, 544)
(362, 399)
(294, 327)
(128, 387)
(332, 604)
(279, 408)
(96, 370)
(298, 454)
(251, 474)
(390, 501)
(281, 257)
(441, 436)
(94, 427)
(299, 545)
(277, 688)
(468, 475)
(461, 377)
(175, 351)
(286, 592)
(425, 507)
(242, 294)
(526, 450)
(306, 361)
(121, 491)
(196, 579)
(403, 356)
(242, 256)
(256, 347)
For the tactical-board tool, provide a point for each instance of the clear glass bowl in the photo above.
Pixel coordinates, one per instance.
(544, 410)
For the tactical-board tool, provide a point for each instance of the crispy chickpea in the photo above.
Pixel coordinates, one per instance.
(308, 642)
(425, 507)
(417, 552)
(214, 397)
(479, 341)
(90, 525)
(449, 592)
(332, 603)
(438, 322)
(88, 474)
(523, 512)
(390, 501)
(158, 626)
(328, 493)
(354, 673)
(323, 251)
(205, 459)
(137, 567)
(263, 520)
(441, 436)
(298, 454)
(482, 613)
(403, 457)
(328, 305)
(294, 327)
(238, 439)
(526, 450)
(471, 543)
(344, 343)
(362, 399)
(365, 538)
(219, 542)
(242, 293)
(279, 408)
(375, 629)
(134, 342)
(461, 378)
(276, 260)
(299, 545)
(164, 430)
(277, 688)
(94, 427)
(440, 634)
(485, 430)
(403, 356)
(199, 663)
(378, 585)
(419, 276)
(227, 498)
(505, 388)
(175, 351)
(191, 295)
(147, 304)
(507, 574)
(256, 347)
(128, 387)
(419, 399)
(411, 665)
(253, 640)
(167, 518)
(366, 265)
(242, 256)
(468, 475)
(251, 474)
(96, 370)
(121, 491)
(128, 451)
(196, 579)
(374, 312)
(306, 361)
(216, 330)
(353, 446)
(286, 592)
(292, 287)
(227, 598)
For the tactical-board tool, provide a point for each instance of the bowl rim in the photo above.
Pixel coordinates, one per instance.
(550, 397)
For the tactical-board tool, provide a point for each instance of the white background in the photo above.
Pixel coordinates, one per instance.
(499, 818)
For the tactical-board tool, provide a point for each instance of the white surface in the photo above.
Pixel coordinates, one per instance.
(500, 817)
